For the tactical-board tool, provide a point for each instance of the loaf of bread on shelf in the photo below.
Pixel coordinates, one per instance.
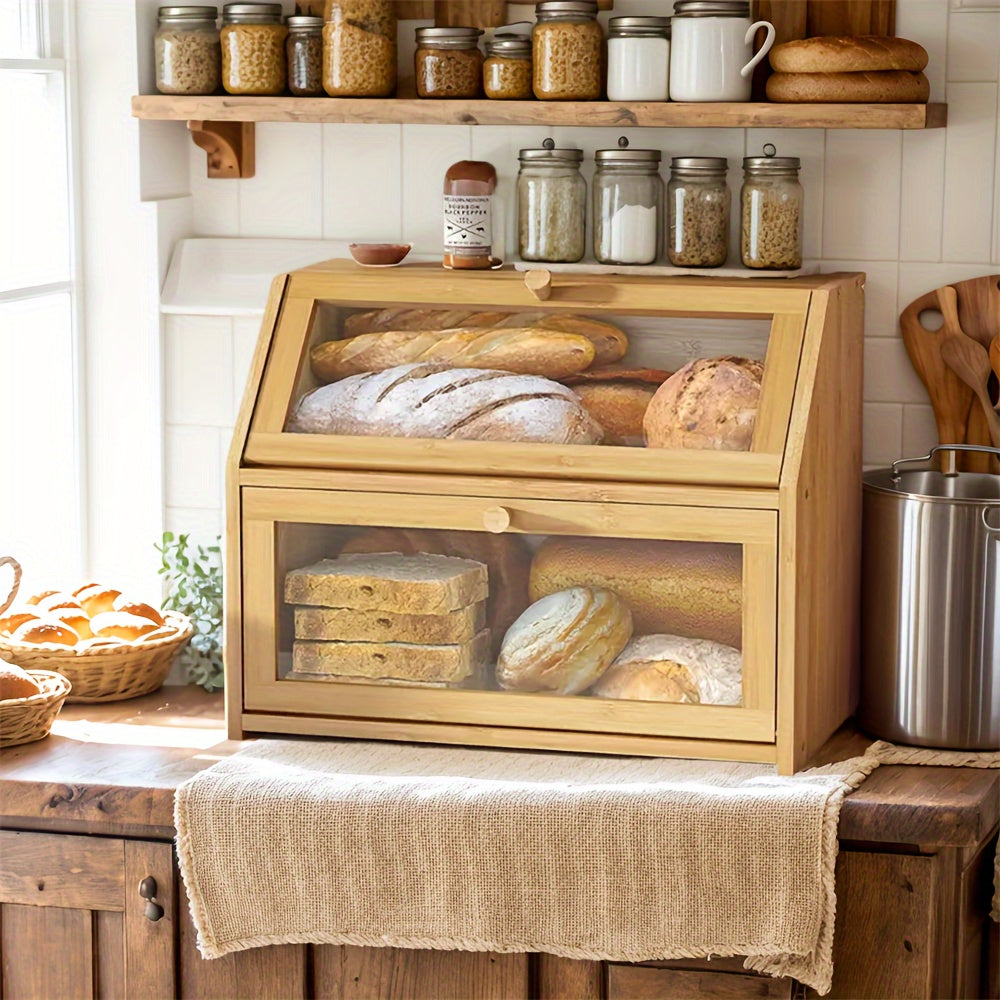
(674, 668)
(16, 683)
(434, 401)
(709, 403)
(610, 343)
(619, 408)
(356, 625)
(677, 588)
(847, 54)
(422, 584)
(564, 642)
(884, 87)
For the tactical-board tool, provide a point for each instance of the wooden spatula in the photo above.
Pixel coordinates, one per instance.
(995, 358)
(979, 307)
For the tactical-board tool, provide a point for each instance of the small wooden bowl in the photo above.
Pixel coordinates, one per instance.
(379, 254)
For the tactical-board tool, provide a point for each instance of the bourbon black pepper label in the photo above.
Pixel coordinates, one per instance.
(467, 222)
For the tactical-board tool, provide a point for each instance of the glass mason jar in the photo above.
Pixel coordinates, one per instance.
(771, 202)
(638, 58)
(567, 51)
(628, 205)
(359, 48)
(187, 50)
(551, 205)
(698, 211)
(448, 62)
(507, 70)
(253, 48)
(304, 54)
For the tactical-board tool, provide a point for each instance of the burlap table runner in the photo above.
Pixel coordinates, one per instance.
(623, 859)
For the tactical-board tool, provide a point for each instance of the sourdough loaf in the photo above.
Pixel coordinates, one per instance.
(847, 54)
(710, 403)
(619, 408)
(886, 87)
(678, 588)
(356, 625)
(564, 642)
(674, 668)
(431, 401)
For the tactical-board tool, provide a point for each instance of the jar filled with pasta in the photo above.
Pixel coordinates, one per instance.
(771, 202)
(567, 51)
(448, 62)
(187, 50)
(359, 48)
(253, 48)
(698, 211)
(507, 70)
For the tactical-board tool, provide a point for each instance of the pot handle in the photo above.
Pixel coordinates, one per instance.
(943, 447)
(986, 524)
(764, 49)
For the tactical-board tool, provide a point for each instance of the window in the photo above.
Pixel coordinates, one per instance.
(42, 518)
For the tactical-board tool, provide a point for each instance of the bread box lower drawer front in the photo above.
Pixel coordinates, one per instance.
(340, 638)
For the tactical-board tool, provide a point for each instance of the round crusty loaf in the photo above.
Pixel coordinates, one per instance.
(679, 588)
(887, 87)
(675, 668)
(710, 403)
(619, 407)
(16, 683)
(564, 642)
(847, 54)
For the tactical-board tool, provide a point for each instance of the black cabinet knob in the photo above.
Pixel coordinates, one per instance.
(147, 887)
(153, 911)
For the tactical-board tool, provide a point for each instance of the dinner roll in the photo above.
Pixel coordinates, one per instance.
(16, 617)
(75, 619)
(98, 599)
(163, 632)
(56, 601)
(102, 644)
(120, 625)
(143, 610)
(46, 630)
(87, 586)
(40, 596)
(564, 642)
(16, 683)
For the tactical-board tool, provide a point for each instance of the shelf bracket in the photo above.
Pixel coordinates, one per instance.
(229, 145)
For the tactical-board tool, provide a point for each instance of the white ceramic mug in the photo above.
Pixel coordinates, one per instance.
(712, 58)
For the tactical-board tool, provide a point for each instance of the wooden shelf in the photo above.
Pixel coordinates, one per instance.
(405, 111)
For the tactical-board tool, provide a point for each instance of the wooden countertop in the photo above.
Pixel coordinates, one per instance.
(112, 769)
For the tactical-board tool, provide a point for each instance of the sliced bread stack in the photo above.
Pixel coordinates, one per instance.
(390, 618)
(832, 69)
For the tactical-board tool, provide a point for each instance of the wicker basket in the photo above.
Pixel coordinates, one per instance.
(24, 720)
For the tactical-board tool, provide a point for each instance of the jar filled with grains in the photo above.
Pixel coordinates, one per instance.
(628, 205)
(359, 48)
(567, 51)
(507, 70)
(304, 54)
(187, 50)
(551, 205)
(253, 48)
(448, 62)
(771, 203)
(698, 211)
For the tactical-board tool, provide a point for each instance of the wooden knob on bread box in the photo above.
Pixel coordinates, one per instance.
(539, 283)
(496, 519)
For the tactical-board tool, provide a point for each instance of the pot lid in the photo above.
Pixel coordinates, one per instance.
(931, 484)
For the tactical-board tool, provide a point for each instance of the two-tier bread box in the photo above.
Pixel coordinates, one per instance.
(492, 520)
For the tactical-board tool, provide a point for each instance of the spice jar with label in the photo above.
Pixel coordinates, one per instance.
(698, 211)
(469, 186)
(359, 48)
(567, 51)
(253, 48)
(771, 202)
(304, 54)
(448, 62)
(187, 50)
(628, 205)
(551, 205)
(507, 70)
(638, 58)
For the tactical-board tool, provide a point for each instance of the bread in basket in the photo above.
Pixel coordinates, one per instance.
(29, 717)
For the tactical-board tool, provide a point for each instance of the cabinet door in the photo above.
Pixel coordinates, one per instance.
(295, 662)
(72, 922)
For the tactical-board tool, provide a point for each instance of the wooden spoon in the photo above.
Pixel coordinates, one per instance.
(995, 358)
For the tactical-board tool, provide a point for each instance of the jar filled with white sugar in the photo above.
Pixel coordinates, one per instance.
(638, 58)
(628, 205)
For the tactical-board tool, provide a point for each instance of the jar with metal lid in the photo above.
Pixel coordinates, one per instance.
(628, 205)
(771, 203)
(359, 48)
(187, 50)
(253, 48)
(448, 62)
(567, 51)
(638, 58)
(551, 204)
(698, 211)
(304, 54)
(507, 70)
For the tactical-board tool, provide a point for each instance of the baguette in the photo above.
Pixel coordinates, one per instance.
(847, 54)
(610, 343)
(886, 87)
(433, 401)
(524, 350)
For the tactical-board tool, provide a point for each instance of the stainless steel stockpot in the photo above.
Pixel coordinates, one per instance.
(931, 605)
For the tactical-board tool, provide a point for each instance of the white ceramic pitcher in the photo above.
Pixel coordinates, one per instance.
(712, 57)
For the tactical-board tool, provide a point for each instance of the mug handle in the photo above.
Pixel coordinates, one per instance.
(764, 49)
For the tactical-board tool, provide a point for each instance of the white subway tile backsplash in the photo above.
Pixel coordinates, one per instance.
(921, 215)
(881, 319)
(882, 432)
(919, 431)
(246, 329)
(889, 374)
(362, 182)
(428, 151)
(193, 471)
(916, 279)
(198, 361)
(927, 22)
(974, 47)
(215, 203)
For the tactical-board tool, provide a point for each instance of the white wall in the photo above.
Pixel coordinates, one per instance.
(915, 210)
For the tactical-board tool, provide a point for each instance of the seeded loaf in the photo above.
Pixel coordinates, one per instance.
(677, 588)
(434, 401)
(389, 581)
(355, 625)
(847, 54)
(885, 87)
(674, 668)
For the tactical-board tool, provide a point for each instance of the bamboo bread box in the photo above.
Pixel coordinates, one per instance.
(498, 511)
